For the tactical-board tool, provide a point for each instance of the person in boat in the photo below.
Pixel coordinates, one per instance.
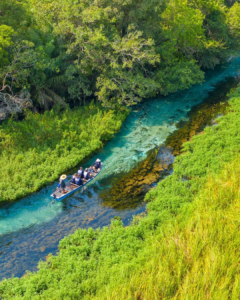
(78, 180)
(73, 178)
(97, 165)
(87, 175)
(62, 184)
(80, 172)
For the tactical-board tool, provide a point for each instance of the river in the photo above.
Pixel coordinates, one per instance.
(140, 155)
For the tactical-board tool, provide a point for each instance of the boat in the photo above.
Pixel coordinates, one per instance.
(72, 188)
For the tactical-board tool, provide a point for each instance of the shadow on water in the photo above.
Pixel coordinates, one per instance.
(140, 155)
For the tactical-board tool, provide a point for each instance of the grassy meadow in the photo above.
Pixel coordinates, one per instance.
(35, 151)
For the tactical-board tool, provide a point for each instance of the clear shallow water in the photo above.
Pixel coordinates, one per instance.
(32, 227)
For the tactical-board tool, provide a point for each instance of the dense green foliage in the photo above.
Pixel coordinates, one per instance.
(101, 263)
(119, 51)
(56, 51)
(35, 151)
(194, 256)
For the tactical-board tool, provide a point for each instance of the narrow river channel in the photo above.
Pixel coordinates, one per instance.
(138, 157)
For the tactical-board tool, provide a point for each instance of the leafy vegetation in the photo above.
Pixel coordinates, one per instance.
(194, 256)
(191, 228)
(56, 51)
(35, 151)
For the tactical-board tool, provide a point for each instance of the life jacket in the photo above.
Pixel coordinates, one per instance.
(62, 183)
(78, 181)
(80, 172)
(86, 175)
(73, 180)
(97, 164)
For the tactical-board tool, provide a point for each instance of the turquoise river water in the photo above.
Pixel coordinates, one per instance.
(31, 228)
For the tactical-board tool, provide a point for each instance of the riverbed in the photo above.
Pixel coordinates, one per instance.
(139, 156)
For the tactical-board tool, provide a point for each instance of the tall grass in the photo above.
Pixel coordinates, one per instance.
(193, 257)
(205, 153)
(35, 151)
(186, 247)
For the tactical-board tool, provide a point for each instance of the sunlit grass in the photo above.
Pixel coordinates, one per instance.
(35, 151)
(185, 248)
(197, 258)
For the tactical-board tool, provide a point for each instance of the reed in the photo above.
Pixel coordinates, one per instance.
(185, 248)
(191, 258)
(35, 151)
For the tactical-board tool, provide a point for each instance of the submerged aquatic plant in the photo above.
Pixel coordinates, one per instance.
(186, 245)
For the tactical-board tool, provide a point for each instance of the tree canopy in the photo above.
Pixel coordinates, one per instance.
(116, 51)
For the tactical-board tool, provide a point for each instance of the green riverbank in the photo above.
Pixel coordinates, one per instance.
(35, 151)
(126, 263)
(193, 256)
